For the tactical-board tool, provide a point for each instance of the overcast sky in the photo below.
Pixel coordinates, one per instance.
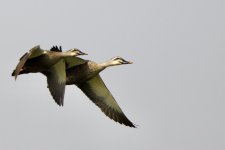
(174, 91)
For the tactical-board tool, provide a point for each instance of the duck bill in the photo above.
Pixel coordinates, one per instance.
(82, 53)
(128, 62)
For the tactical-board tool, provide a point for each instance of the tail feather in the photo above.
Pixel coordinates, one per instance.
(13, 73)
(21, 72)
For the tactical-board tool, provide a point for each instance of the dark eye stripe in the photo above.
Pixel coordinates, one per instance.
(74, 50)
(116, 58)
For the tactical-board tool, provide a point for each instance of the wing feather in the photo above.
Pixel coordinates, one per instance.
(73, 61)
(34, 52)
(56, 79)
(98, 93)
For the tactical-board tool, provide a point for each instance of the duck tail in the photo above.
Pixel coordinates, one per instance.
(21, 72)
(13, 73)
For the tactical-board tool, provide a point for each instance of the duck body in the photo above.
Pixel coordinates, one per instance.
(41, 63)
(81, 73)
(39, 60)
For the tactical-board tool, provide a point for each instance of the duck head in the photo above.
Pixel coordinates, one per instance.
(75, 52)
(117, 61)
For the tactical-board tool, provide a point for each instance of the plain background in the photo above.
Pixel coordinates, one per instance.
(174, 91)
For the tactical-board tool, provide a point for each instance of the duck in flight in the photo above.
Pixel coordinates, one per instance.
(53, 63)
(61, 69)
(86, 77)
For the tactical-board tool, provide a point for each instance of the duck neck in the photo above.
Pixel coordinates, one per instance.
(65, 54)
(106, 64)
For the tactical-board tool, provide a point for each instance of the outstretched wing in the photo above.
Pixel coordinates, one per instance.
(73, 61)
(34, 52)
(98, 93)
(56, 79)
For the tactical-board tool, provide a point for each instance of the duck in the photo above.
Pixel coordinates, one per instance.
(52, 63)
(38, 60)
(86, 77)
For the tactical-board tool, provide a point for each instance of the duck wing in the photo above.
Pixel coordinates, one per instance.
(34, 52)
(73, 61)
(98, 93)
(56, 79)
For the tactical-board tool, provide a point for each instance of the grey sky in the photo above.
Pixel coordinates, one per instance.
(174, 91)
